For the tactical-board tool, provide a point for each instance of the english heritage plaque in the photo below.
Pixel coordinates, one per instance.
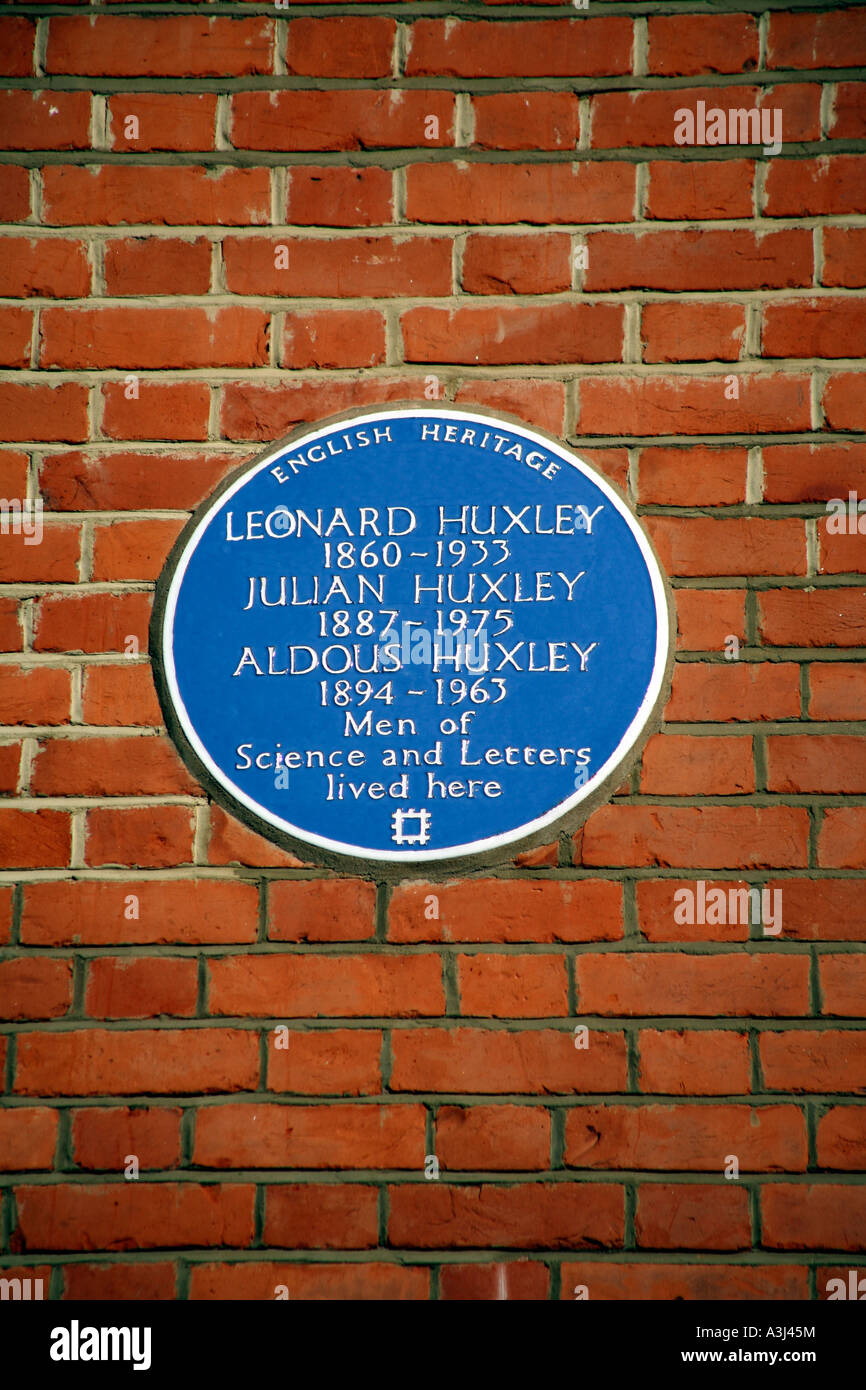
(412, 634)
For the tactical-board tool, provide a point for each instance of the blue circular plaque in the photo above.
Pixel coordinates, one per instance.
(412, 634)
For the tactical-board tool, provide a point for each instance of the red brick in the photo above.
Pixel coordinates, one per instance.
(526, 1280)
(694, 1217)
(114, 193)
(346, 46)
(713, 837)
(290, 986)
(133, 549)
(823, 909)
(335, 910)
(534, 193)
(102, 1139)
(514, 333)
(154, 337)
(6, 914)
(841, 1136)
(499, 986)
(701, 986)
(339, 1061)
(468, 1060)
(177, 46)
(161, 410)
(843, 401)
(660, 911)
(748, 545)
(841, 838)
(838, 690)
(38, 695)
(55, 267)
(128, 481)
(817, 40)
(157, 265)
(824, 327)
(537, 401)
(18, 36)
(820, 618)
(700, 259)
(492, 909)
(487, 1138)
(668, 1282)
(14, 194)
(693, 405)
(688, 1138)
(300, 1216)
(686, 44)
(170, 912)
(810, 187)
(341, 268)
(34, 839)
(14, 470)
(842, 980)
(849, 113)
(43, 412)
(356, 1281)
(28, 1137)
(816, 763)
(672, 332)
(844, 256)
(555, 1216)
(90, 622)
(821, 1217)
(826, 1061)
(707, 617)
(733, 690)
(10, 759)
(535, 264)
(526, 121)
(636, 119)
(16, 332)
(156, 1061)
(44, 120)
(142, 988)
(120, 1282)
(120, 695)
(233, 843)
(34, 1281)
(840, 552)
(339, 119)
(700, 190)
(152, 837)
(339, 197)
(694, 1063)
(542, 48)
(334, 338)
(166, 121)
(310, 1136)
(32, 988)
(54, 559)
(134, 1216)
(252, 411)
(109, 767)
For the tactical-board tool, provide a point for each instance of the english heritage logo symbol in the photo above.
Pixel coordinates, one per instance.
(412, 634)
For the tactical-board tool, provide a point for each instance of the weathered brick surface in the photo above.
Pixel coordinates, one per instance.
(494, 201)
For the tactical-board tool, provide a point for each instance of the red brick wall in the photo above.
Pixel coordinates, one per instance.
(692, 320)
